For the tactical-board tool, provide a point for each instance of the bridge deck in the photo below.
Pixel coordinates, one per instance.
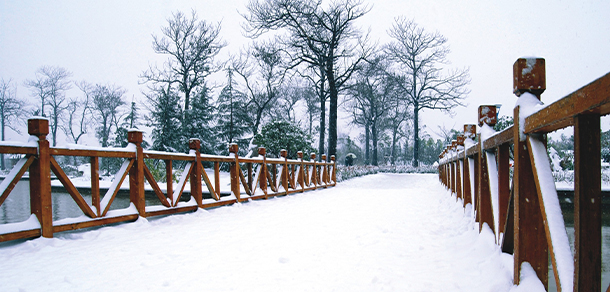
(385, 232)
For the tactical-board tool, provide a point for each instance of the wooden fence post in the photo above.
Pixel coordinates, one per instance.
(262, 176)
(459, 171)
(324, 171)
(284, 176)
(136, 173)
(487, 116)
(314, 172)
(234, 173)
(40, 178)
(334, 172)
(530, 243)
(587, 203)
(196, 187)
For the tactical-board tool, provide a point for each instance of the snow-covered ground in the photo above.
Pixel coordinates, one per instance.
(384, 232)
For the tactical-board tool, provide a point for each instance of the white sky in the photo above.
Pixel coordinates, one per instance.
(110, 41)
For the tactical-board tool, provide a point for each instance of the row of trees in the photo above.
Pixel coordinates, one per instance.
(304, 55)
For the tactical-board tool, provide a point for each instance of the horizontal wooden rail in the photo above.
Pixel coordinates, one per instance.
(251, 178)
(525, 216)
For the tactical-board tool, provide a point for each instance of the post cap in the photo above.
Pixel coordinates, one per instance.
(38, 127)
(460, 140)
(332, 158)
(323, 157)
(529, 75)
(194, 143)
(135, 137)
(313, 156)
(300, 154)
(262, 151)
(487, 115)
(233, 148)
(470, 131)
(284, 153)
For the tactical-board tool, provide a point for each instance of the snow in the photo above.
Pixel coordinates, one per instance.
(11, 175)
(528, 104)
(554, 217)
(29, 224)
(115, 184)
(384, 232)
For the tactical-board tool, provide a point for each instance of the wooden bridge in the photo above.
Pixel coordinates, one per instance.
(524, 211)
(264, 178)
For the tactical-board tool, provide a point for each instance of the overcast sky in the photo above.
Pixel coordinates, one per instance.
(110, 41)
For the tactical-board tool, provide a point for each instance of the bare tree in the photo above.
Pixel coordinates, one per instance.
(323, 38)
(50, 87)
(107, 100)
(79, 113)
(11, 110)
(263, 77)
(191, 46)
(419, 57)
(371, 100)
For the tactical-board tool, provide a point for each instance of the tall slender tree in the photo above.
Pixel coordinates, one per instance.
(11, 110)
(419, 57)
(191, 46)
(50, 87)
(323, 37)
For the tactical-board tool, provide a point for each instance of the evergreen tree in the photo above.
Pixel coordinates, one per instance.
(232, 116)
(198, 123)
(164, 117)
(278, 135)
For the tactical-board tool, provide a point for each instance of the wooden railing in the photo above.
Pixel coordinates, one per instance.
(264, 178)
(524, 212)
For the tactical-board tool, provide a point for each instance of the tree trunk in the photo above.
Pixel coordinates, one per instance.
(415, 135)
(374, 134)
(367, 147)
(322, 114)
(393, 154)
(332, 118)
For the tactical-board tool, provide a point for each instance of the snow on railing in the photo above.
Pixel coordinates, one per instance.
(524, 211)
(295, 175)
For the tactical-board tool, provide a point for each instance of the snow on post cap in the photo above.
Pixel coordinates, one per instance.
(529, 75)
(284, 153)
(460, 140)
(300, 154)
(332, 158)
(233, 148)
(313, 156)
(487, 115)
(470, 131)
(194, 143)
(323, 157)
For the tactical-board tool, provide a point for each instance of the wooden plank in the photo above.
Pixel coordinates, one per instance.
(504, 137)
(529, 237)
(71, 189)
(96, 222)
(89, 153)
(169, 156)
(208, 183)
(95, 184)
(20, 235)
(485, 210)
(27, 150)
(244, 182)
(16, 179)
(503, 184)
(170, 211)
(467, 189)
(458, 179)
(219, 203)
(587, 203)
(116, 190)
(177, 199)
(217, 178)
(508, 241)
(151, 180)
(592, 98)
(169, 179)
(536, 165)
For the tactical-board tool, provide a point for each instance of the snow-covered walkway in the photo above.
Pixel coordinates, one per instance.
(385, 232)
